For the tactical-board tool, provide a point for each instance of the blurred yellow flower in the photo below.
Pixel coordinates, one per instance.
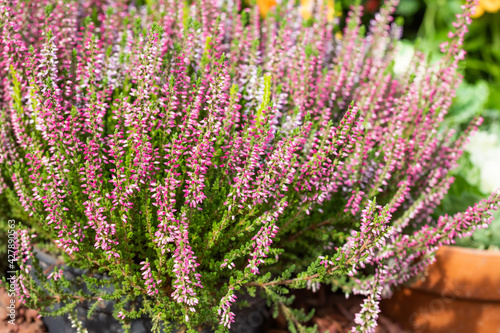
(265, 6)
(478, 12)
(490, 6)
(307, 7)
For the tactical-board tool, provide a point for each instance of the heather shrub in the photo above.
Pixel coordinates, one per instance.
(196, 153)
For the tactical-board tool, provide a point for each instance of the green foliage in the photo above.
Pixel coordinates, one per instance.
(476, 95)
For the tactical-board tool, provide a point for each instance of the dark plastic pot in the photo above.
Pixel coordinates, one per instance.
(248, 320)
(102, 320)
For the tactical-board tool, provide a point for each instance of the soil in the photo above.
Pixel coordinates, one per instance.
(27, 320)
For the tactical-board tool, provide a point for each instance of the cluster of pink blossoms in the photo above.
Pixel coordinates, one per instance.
(22, 254)
(148, 279)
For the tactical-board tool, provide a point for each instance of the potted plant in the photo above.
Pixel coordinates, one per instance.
(190, 155)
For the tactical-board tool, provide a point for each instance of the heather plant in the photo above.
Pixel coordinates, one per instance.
(196, 153)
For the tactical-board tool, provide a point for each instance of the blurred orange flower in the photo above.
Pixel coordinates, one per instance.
(307, 7)
(265, 6)
(490, 6)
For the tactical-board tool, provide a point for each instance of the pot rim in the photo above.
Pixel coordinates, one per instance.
(463, 273)
(470, 250)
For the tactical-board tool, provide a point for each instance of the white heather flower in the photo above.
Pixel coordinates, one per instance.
(75, 322)
(313, 285)
(484, 149)
(403, 57)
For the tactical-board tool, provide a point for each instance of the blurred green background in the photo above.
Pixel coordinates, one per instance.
(428, 22)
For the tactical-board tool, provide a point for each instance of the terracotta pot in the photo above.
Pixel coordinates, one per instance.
(460, 293)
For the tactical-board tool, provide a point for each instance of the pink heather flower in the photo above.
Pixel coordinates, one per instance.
(226, 316)
(264, 238)
(373, 232)
(56, 274)
(149, 281)
(184, 269)
(228, 265)
(366, 319)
